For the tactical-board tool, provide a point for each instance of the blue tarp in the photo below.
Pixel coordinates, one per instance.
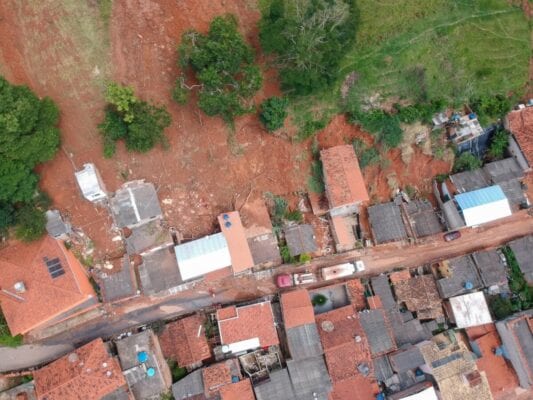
(480, 197)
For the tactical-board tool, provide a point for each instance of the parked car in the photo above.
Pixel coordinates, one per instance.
(452, 236)
(288, 280)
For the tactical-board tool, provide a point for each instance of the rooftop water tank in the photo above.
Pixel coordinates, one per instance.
(150, 372)
(469, 285)
(142, 356)
(227, 224)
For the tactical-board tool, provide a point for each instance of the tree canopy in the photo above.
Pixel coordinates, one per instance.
(309, 38)
(223, 65)
(140, 124)
(28, 136)
(274, 112)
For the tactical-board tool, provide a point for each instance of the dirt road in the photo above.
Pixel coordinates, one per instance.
(232, 289)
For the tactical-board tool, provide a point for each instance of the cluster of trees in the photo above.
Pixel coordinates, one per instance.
(308, 38)
(223, 64)
(29, 136)
(139, 123)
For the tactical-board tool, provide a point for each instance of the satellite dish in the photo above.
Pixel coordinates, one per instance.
(327, 326)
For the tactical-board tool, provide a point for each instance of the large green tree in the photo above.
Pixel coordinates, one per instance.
(223, 65)
(309, 39)
(28, 136)
(140, 124)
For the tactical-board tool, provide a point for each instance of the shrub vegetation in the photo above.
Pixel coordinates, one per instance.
(466, 162)
(274, 112)
(498, 144)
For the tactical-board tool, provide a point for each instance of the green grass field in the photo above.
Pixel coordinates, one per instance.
(426, 49)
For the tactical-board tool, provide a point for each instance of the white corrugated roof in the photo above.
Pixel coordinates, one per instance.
(470, 310)
(426, 394)
(88, 182)
(201, 256)
(487, 212)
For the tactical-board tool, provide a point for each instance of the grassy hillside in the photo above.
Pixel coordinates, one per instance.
(426, 49)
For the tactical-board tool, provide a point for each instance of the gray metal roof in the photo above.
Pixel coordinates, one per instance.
(452, 216)
(146, 236)
(304, 342)
(523, 249)
(405, 330)
(382, 368)
(470, 180)
(189, 386)
(405, 360)
(387, 224)
(264, 249)
(55, 226)
(377, 332)
(423, 218)
(503, 170)
(513, 191)
(300, 239)
(490, 268)
(134, 203)
(119, 285)
(159, 270)
(382, 288)
(278, 387)
(462, 270)
(310, 378)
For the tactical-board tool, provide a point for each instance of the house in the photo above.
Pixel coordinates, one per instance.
(491, 360)
(247, 327)
(344, 231)
(42, 283)
(420, 295)
(420, 391)
(90, 183)
(143, 365)
(406, 359)
(145, 237)
(516, 333)
(219, 375)
(158, 270)
(90, 373)
(386, 223)
(300, 239)
(184, 341)
(469, 310)
(520, 124)
(241, 390)
(309, 378)
(278, 387)
(492, 270)
(422, 217)
(347, 354)
(233, 231)
(483, 205)
(466, 128)
(55, 226)
(118, 285)
(135, 203)
(449, 361)
(345, 186)
(522, 249)
(457, 276)
(303, 340)
(378, 331)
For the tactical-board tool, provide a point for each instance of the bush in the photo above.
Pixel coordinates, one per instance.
(498, 144)
(501, 307)
(316, 180)
(274, 112)
(491, 107)
(369, 157)
(466, 162)
(303, 258)
(319, 300)
(309, 39)
(5, 335)
(222, 62)
(286, 255)
(31, 223)
(294, 215)
(176, 371)
(385, 126)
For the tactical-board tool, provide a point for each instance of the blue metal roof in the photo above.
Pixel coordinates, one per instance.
(480, 197)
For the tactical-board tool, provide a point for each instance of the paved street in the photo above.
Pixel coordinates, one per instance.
(378, 259)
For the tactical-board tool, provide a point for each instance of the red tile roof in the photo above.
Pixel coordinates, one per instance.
(184, 341)
(241, 256)
(45, 297)
(214, 377)
(253, 321)
(241, 390)
(500, 375)
(342, 176)
(356, 292)
(355, 388)
(89, 373)
(520, 123)
(475, 332)
(297, 308)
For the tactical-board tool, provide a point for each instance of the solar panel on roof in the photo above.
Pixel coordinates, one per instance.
(54, 267)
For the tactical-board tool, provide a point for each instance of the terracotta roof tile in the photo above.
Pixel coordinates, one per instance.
(227, 312)
(45, 297)
(520, 123)
(252, 321)
(475, 332)
(420, 294)
(241, 390)
(89, 373)
(297, 308)
(214, 377)
(500, 375)
(400, 276)
(184, 341)
(356, 292)
(241, 256)
(355, 388)
(342, 176)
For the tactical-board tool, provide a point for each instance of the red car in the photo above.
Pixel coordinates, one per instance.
(284, 280)
(452, 236)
